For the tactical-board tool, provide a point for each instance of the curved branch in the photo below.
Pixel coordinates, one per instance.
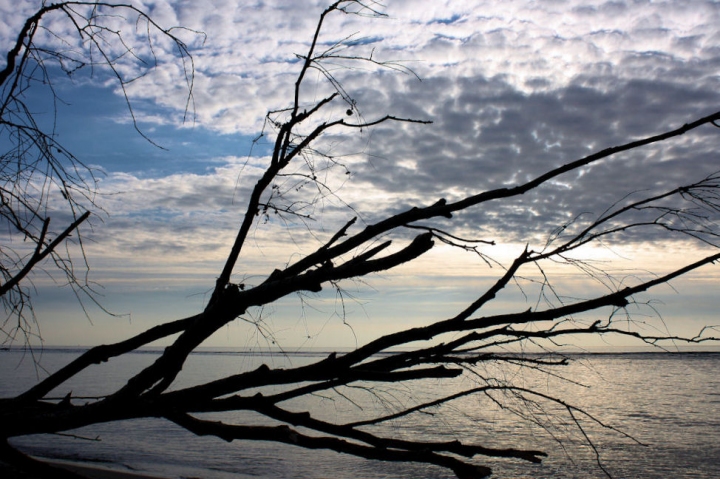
(40, 253)
(103, 353)
(287, 435)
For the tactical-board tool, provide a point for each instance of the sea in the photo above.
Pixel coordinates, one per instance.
(648, 415)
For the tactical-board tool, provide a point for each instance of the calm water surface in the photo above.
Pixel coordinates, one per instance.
(669, 403)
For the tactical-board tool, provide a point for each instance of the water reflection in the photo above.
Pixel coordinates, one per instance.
(671, 403)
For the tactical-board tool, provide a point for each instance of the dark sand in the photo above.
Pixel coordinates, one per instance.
(87, 470)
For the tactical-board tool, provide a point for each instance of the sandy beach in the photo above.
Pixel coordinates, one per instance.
(99, 472)
(86, 470)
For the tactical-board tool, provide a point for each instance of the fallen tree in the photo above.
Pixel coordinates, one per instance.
(450, 348)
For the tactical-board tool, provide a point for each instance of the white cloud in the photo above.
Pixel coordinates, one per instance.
(245, 65)
(513, 88)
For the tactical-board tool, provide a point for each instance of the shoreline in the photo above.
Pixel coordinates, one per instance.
(96, 471)
(83, 469)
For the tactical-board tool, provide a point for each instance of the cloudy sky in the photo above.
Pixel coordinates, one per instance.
(513, 88)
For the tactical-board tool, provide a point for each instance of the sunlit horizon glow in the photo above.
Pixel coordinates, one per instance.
(513, 89)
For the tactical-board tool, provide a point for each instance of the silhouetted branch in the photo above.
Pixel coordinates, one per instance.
(36, 167)
(448, 350)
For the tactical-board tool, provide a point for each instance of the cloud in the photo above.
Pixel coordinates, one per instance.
(247, 63)
(513, 89)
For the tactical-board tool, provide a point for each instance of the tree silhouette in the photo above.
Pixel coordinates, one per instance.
(37, 172)
(452, 349)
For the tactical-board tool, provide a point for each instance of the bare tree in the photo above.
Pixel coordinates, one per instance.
(451, 349)
(37, 173)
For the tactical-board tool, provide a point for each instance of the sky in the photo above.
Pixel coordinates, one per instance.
(513, 89)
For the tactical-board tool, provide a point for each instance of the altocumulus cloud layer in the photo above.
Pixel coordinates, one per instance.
(513, 88)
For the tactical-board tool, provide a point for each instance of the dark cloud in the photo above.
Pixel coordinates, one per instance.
(489, 134)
